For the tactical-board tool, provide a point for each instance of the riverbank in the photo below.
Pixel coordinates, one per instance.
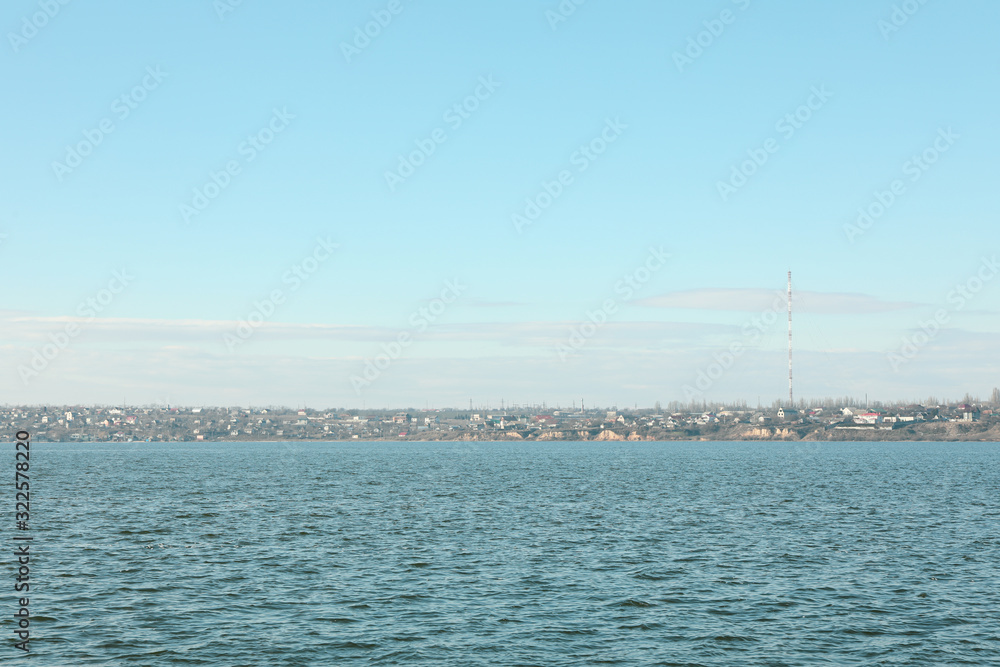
(926, 432)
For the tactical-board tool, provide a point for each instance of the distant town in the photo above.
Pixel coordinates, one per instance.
(825, 420)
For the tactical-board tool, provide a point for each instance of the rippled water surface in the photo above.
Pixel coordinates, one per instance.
(513, 554)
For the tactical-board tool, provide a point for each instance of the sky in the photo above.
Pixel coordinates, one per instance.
(399, 203)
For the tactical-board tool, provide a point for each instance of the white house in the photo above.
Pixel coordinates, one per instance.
(787, 413)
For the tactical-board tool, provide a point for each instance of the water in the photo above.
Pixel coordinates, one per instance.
(513, 554)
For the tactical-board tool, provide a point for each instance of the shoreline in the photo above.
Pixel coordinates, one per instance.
(936, 433)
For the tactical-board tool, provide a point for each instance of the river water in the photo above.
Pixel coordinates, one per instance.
(512, 554)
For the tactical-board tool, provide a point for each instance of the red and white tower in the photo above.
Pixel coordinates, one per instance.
(791, 398)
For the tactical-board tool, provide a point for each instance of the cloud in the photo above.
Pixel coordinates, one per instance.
(756, 300)
(485, 303)
(35, 330)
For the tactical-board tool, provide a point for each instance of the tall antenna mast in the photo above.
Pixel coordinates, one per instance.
(791, 399)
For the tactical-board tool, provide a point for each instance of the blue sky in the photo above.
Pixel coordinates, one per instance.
(188, 88)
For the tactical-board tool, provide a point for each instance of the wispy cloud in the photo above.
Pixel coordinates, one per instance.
(755, 300)
(485, 303)
(30, 330)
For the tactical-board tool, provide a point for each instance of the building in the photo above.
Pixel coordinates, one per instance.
(868, 418)
(968, 413)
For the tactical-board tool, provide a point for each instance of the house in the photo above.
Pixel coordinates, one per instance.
(788, 413)
(968, 413)
(868, 418)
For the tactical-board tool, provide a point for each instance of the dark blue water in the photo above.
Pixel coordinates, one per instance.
(513, 554)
